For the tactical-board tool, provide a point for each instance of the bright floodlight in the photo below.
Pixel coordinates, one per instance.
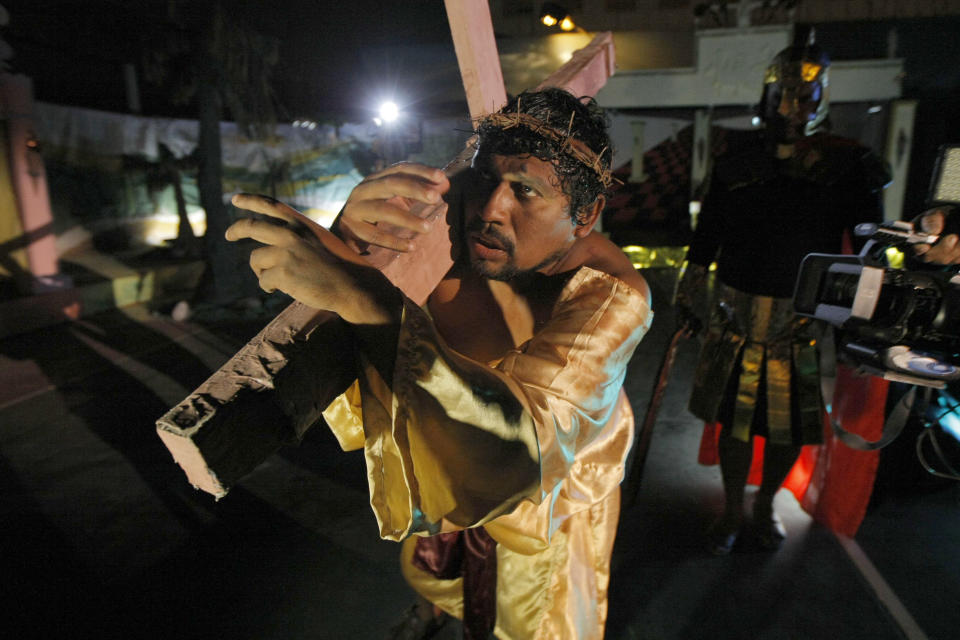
(389, 111)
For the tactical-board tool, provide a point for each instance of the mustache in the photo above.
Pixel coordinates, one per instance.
(489, 232)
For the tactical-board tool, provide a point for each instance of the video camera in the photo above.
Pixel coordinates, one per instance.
(902, 325)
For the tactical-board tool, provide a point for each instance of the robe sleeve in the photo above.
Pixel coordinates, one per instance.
(453, 443)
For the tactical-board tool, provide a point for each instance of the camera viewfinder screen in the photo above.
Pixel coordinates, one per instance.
(947, 187)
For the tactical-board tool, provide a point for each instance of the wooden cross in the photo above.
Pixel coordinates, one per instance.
(276, 386)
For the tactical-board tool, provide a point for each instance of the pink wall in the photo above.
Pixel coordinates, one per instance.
(28, 175)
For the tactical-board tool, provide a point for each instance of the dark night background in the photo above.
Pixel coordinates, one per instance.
(339, 60)
(102, 537)
(335, 57)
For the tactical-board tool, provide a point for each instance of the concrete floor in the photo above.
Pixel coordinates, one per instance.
(100, 535)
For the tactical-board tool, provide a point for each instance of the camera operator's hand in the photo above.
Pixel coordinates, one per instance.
(947, 249)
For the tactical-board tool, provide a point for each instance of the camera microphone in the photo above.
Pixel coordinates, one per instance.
(894, 232)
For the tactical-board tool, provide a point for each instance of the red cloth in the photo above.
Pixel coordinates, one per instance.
(832, 482)
(470, 553)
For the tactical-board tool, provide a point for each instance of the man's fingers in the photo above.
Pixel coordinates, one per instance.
(378, 209)
(933, 221)
(377, 235)
(266, 205)
(945, 251)
(263, 258)
(949, 249)
(412, 187)
(391, 212)
(385, 202)
(431, 174)
(267, 279)
(261, 231)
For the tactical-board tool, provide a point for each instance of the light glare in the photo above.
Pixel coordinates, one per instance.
(389, 111)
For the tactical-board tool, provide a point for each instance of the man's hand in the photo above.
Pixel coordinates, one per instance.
(311, 265)
(947, 249)
(378, 209)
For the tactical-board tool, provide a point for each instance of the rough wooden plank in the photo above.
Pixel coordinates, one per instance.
(262, 397)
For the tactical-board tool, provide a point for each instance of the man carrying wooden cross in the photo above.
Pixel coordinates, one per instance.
(493, 420)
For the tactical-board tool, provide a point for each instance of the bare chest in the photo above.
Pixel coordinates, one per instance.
(485, 319)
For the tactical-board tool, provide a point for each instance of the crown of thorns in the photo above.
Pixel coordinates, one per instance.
(569, 145)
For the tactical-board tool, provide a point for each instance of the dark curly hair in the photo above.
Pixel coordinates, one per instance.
(553, 107)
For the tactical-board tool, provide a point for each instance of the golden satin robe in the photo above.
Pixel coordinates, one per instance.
(532, 448)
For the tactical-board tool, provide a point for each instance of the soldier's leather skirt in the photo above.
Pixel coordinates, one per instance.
(759, 370)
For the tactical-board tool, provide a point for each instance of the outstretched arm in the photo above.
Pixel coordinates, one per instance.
(313, 266)
(310, 264)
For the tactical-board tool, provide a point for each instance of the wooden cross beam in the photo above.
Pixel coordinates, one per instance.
(477, 56)
(276, 386)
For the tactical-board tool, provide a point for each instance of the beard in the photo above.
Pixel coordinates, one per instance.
(508, 272)
(504, 273)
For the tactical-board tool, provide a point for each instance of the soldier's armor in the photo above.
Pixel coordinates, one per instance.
(760, 218)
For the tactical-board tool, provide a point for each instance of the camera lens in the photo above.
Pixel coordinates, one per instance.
(840, 289)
